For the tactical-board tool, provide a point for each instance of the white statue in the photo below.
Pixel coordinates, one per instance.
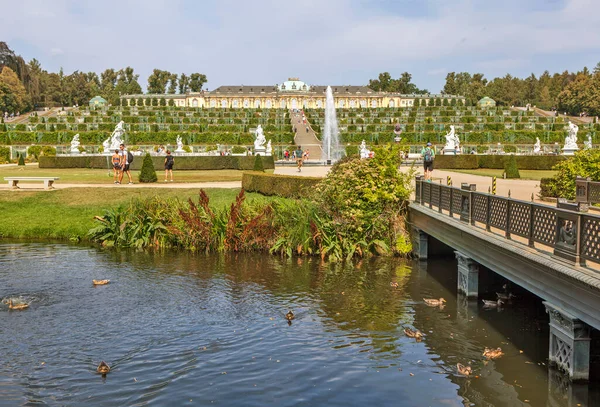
(75, 144)
(106, 145)
(364, 151)
(587, 144)
(452, 140)
(179, 145)
(115, 139)
(571, 139)
(269, 148)
(259, 143)
(537, 146)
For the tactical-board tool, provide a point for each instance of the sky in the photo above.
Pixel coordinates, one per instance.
(323, 42)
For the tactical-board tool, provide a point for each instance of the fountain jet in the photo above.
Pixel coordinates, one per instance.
(331, 142)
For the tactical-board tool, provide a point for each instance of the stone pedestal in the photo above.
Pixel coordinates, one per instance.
(451, 151)
(260, 151)
(569, 151)
(468, 276)
(569, 343)
(420, 243)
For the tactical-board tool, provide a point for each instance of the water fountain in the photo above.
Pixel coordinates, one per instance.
(331, 141)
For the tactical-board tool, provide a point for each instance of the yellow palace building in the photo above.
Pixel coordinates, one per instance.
(291, 94)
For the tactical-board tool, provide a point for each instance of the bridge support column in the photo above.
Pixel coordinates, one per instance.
(569, 343)
(420, 243)
(468, 276)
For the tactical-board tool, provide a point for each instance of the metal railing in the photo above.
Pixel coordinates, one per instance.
(587, 191)
(573, 235)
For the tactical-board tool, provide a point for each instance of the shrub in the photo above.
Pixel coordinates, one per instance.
(35, 152)
(238, 150)
(48, 151)
(4, 155)
(280, 185)
(510, 167)
(148, 173)
(21, 159)
(258, 164)
(583, 163)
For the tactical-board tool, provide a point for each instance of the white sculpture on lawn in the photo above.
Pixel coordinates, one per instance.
(116, 138)
(179, 145)
(364, 151)
(269, 148)
(452, 141)
(259, 143)
(75, 144)
(587, 144)
(571, 139)
(537, 146)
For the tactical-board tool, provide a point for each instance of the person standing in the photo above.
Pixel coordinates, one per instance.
(169, 161)
(428, 154)
(126, 159)
(299, 154)
(116, 163)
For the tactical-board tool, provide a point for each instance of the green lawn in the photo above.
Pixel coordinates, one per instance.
(95, 176)
(68, 213)
(525, 174)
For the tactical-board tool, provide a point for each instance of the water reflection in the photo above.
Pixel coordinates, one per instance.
(188, 329)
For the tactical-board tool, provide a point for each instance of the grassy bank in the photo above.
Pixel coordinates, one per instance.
(96, 176)
(68, 213)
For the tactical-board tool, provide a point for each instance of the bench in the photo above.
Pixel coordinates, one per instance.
(14, 181)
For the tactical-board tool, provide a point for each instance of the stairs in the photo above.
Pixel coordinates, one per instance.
(307, 139)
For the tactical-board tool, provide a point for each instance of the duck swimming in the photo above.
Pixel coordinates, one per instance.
(290, 316)
(17, 306)
(433, 302)
(506, 297)
(493, 353)
(493, 304)
(100, 282)
(418, 335)
(103, 368)
(464, 370)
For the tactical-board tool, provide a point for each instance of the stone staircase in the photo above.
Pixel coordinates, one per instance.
(307, 139)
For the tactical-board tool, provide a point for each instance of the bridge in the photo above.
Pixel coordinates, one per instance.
(554, 252)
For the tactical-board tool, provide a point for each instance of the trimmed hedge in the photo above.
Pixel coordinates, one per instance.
(471, 161)
(181, 162)
(281, 185)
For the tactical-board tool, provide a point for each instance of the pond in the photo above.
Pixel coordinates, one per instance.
(183, 329)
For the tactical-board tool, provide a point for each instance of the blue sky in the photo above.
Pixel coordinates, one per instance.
(337, 42)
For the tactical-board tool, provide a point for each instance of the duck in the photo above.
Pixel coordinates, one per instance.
(103, 368)
(418, 335)
(493, 304)
(506, 297)
(100, 282)
(394, 284)
(463, 370)
(493, 353)
(433, 302)
(290, 316)
(18, 306)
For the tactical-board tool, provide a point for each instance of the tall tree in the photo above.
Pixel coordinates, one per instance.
(197, 80)
(184, 84)
(172, 83)
(13, 96)
(157, 81)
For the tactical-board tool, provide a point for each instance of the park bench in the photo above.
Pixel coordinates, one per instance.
(14, 181)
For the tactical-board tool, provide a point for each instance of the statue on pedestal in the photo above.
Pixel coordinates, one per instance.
(452, 141)
(179, 145)
(364, 151)
(571, 139)
(259, 143)
(537, 146)
(587, 144)
(115, 140)
(269, 149)
(75, 144)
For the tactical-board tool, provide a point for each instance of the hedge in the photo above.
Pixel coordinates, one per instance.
(471, 161)
(181, 162)
(281, 185)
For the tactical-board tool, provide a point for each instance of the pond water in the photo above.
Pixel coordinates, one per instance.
(179, 329)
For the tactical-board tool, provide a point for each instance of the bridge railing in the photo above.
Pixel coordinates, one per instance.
(572, 235)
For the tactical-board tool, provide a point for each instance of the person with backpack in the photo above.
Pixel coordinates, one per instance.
(299, 154)
(126, 160)
(169, 161)
(116, 163)
(428, 154)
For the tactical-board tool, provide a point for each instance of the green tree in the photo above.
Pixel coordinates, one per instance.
(197, 80)
(13, 96)
(157, 81)
(172, 84)
(184, 84)
(510, 167)
(148, 173)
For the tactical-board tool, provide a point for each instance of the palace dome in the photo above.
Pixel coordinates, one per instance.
(293, 85)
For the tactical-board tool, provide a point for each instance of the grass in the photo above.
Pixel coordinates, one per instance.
(68, 213)
(96, 176)
(525, 174)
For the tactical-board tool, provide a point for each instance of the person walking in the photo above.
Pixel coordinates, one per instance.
(169, 161)
(126, 159)
(299, 154)
(116, 163)
(428, 154)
